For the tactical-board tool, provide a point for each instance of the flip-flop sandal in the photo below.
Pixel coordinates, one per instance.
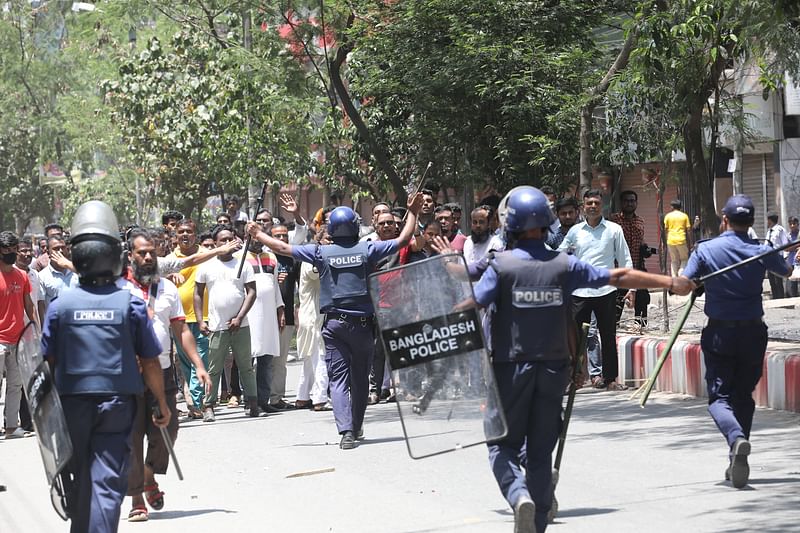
(138, 514)
(154, 497)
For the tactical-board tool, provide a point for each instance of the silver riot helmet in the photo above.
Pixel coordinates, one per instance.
(95, 243)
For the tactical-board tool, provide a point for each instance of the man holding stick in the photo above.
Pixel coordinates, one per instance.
(735, 338)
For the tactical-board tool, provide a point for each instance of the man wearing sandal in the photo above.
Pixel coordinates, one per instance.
(100, 342)
(165, 309)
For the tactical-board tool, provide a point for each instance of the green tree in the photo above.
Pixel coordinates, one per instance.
(195, 111)
(679, 67)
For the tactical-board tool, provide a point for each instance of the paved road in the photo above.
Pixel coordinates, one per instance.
(625, 469)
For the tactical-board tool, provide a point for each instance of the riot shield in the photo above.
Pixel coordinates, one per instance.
(444, 384)
(47, 414)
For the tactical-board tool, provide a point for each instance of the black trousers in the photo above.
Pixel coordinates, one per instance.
(605, 309)
(639, 305)
(775, 285)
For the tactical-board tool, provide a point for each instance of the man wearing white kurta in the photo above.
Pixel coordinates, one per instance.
(264, 317)
(313, 383)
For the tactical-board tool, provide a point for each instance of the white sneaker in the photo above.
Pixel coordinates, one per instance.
(524, 516)
(18, 433)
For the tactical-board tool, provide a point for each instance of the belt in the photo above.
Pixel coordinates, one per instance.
(735, 323)
(363, 320)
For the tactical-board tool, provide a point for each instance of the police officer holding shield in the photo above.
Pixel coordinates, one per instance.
(92, 337)
(531, 287)
(348, 327)
(735, 338)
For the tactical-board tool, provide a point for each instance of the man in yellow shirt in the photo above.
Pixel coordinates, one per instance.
(676, 222)
(187, 247)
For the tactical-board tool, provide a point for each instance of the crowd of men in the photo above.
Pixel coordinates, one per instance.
(225, 318)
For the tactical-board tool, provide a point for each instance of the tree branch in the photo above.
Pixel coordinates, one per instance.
(377, 151)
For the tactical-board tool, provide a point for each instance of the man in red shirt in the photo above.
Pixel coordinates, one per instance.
(633, 230)
(15, 298)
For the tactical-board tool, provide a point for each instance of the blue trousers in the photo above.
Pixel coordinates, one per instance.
(349, 349)
(189, 372)
(100, 429)
(531, 394)
(734, 360)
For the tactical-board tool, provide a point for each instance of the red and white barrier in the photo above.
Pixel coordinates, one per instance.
(684, 371)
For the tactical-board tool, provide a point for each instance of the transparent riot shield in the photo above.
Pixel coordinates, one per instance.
(445, 387)
(47, 414)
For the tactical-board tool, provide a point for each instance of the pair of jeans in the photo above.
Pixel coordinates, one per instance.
(187, 368)
(8, 361)
(604, 309)
(264, 378)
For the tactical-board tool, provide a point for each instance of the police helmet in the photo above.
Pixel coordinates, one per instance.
(95, 243)
(527, 208)
(343, 223)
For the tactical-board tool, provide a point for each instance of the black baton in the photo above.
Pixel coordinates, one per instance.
(246, 248)
(168, 444)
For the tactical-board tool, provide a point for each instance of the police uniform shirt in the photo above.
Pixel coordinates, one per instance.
(581, 274)
(376, 250)
(146, 344)
(735, 295)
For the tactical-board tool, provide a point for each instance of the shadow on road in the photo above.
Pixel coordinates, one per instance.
(167, 515)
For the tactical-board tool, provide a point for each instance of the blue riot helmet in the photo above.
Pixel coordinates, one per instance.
(343, 223)
(527, 208)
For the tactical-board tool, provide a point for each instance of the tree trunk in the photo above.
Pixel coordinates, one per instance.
(377, 151)
(592, 100)
(698, 171)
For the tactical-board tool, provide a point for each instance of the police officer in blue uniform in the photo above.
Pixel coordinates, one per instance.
(735, 337)
(531, 287)
(91, 337)
(348, 328)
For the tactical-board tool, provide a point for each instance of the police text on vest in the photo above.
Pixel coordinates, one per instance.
(537, 297)
(93, 315)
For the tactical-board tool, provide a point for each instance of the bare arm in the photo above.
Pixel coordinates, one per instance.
(276, 245)
(414, 204)
(154, 379)
(249, 299)
(197, 300)
(627, 278)
(203, 255)
(30, 310)
(289, 205)
(182, 333)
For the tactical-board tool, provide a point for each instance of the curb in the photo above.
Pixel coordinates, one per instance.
(684, 370)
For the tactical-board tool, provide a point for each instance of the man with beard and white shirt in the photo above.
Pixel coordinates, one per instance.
(481, 240)
(165, 309)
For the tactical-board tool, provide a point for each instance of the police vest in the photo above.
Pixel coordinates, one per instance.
(95, 347)
(343, 281)
(533, 318)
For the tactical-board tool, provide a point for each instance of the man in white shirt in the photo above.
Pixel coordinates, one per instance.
(601, 243)
(776, 237)
(165, 309)
(481, 239)
(234, 214)
(53, 278)
(229, 300)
